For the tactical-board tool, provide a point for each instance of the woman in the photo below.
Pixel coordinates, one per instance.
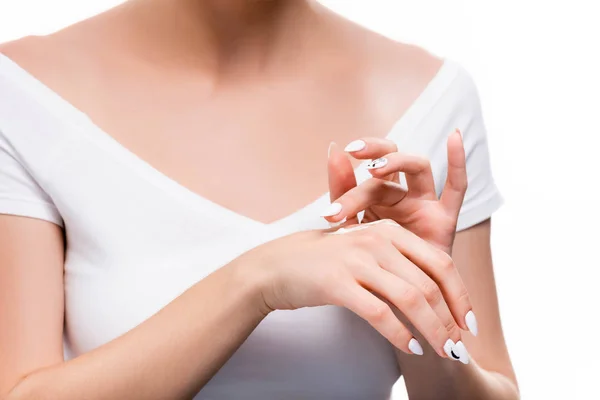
(156, 165)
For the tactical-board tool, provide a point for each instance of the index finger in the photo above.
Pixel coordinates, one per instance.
(370, 147)
(369, 193)
(340, 172)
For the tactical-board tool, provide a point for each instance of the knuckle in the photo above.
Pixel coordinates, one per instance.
(410, 298)
(453, 330)
(337, 293)
(440, 334)
(367, 240)
(463, 297)
(389, 146)
(464, 184)
(331, 280)
(431, 291)
(378, 313)
(360, 265)
(445, 263)
(423, 163)
(378, 239)
(402, 336)
(373, 184)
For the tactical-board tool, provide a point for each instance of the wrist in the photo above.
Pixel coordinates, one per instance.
(471, 381)
(251, 283)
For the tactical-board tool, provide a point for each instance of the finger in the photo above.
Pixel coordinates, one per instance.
(370, 147)
(369, 216)
(456, 181)
(341, 177)
(340, 172)
(417, 170)
(410, 302)
(369, 193)
(373, 148)
(403, 268)
(380, 316)
(435, 263)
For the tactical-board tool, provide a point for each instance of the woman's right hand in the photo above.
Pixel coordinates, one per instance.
(363, 268)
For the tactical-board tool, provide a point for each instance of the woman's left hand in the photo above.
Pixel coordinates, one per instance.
(418, 209)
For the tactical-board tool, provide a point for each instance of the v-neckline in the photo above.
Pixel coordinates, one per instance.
(54, 102)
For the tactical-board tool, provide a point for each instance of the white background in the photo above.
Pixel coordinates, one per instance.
(537, 65)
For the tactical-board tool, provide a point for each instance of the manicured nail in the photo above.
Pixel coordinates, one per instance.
(329, 148)
(460, 350)
(415, 347)
(448, 346)
(333, 209)
(355, 146)
(471, 322)
(377, 163)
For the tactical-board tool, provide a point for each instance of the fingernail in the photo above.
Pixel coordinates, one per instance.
(458, 131)
(415, 347)
(329, 148)
(471, 322)
(336, 224)
(448, 346)
(377, 163)
(333, 209)
(355, 146)
(460, 350)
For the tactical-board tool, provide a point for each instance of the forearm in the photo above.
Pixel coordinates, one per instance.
(432, 377)
(169, 356)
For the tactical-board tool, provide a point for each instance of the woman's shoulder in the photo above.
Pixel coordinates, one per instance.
(51, 59)
(410, 79)
(31, 127)
(29, 51)
(383, 54)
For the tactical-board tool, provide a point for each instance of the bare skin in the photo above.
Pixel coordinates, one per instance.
(281, 96)
(181, 81)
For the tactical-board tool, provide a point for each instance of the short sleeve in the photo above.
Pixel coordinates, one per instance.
(482, 197)
(19, 193)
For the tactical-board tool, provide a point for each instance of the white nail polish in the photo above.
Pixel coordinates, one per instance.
(377, 163)
(333, 209)
(460, 350)
(336, 224)
(448, 349)
(471, 322)
(415, 347)
(355, 146)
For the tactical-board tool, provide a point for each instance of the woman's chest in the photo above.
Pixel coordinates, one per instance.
(257, 145)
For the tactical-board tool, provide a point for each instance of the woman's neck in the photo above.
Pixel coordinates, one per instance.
(224, 36)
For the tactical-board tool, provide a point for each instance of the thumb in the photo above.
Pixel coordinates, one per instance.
(340, 172)
(454, 190)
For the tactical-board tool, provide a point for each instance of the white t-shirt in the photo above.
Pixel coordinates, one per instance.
(137, 239)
